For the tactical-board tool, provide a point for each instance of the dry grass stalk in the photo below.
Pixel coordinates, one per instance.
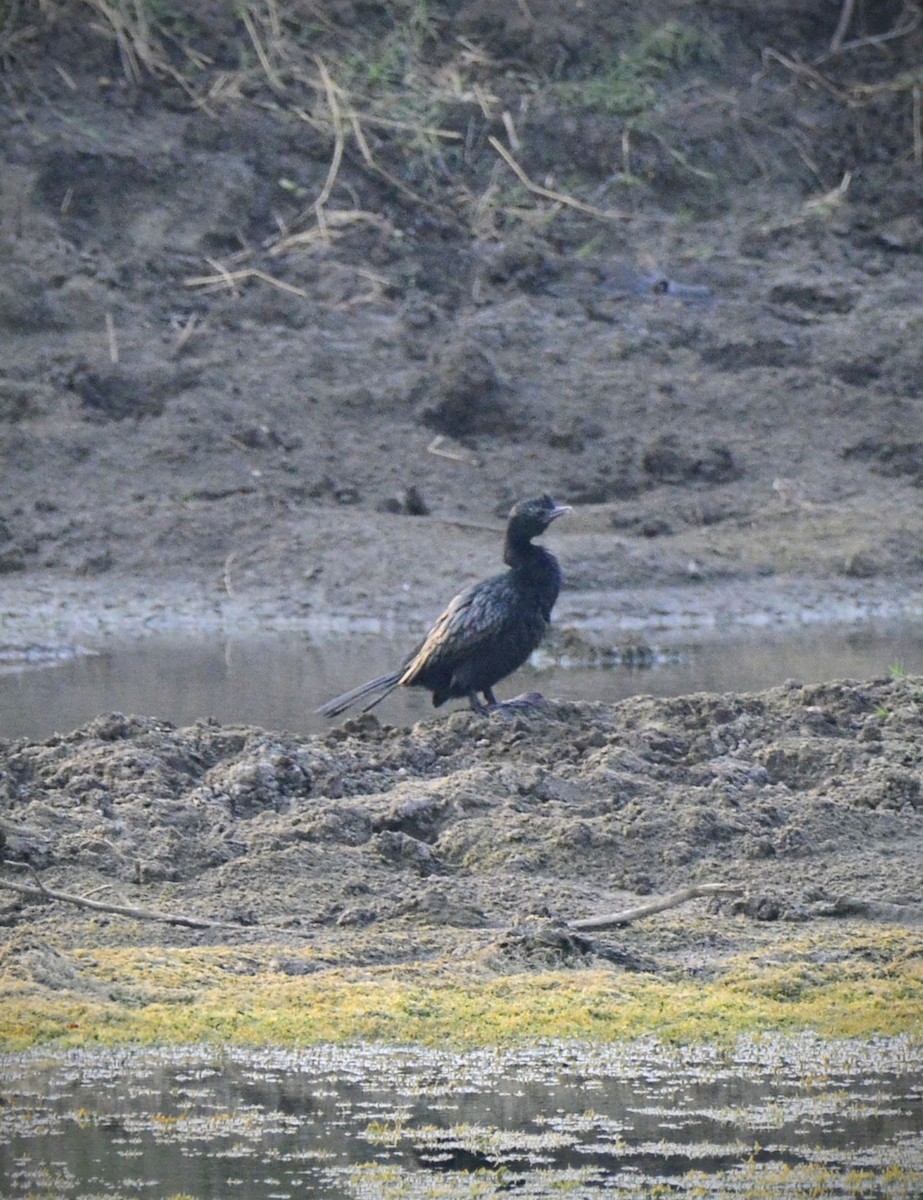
(397, 184)
(140, 43)
(432, 131)
(345, 119)
(112, 339)
(484, 101)
(832, 198)
(333, 223)
(226, 87)
(272, 76)
(476, 56)
(67, 77)
(839, 46)
(371, 296)
(846, 14)
(133, 40)
(15, 32)
(230, 279)
(339, 142)
(808, 74)
(227, 574)
(188, 329)
(511, 134)
(550, 194)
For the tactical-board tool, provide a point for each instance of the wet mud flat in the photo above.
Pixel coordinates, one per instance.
(770, 1116)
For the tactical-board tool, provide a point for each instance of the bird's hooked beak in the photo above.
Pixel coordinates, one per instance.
(558, 511)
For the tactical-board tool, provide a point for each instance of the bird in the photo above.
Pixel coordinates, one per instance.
(487, 630)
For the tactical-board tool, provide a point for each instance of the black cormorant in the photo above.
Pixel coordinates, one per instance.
(488, 630)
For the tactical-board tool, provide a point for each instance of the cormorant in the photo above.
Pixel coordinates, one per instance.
(488, 630)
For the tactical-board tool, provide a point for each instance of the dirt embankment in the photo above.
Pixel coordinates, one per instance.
(270, 300)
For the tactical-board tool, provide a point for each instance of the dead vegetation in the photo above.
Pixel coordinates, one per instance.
(446, 115)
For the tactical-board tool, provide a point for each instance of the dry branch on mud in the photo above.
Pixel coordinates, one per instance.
(658, 904)
(41, 892)
(623, 917)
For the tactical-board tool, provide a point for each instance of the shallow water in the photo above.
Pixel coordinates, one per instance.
(277, 681)
(840, 1119)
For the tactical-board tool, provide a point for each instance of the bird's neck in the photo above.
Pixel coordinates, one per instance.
(536, 569)
(520, 552)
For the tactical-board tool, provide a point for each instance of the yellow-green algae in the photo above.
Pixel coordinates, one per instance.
(855, 983)
(375, 1181)
(758, 1181)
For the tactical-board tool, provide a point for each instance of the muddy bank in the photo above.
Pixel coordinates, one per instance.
(466, 844)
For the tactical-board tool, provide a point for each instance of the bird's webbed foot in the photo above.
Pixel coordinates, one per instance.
(526, 701)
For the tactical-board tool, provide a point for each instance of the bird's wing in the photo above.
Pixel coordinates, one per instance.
(471, 618)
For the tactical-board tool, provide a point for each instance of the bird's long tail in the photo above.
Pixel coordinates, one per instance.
(384, 684)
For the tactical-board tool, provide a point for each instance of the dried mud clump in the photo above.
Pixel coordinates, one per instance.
(672, 460)
(467, 396)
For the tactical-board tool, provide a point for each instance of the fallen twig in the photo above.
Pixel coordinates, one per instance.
(443, 448)
(670, 900)
(124, 910)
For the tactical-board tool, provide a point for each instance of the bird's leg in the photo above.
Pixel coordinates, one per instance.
(476, 706)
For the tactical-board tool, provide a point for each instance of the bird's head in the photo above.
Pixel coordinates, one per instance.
(532, 517)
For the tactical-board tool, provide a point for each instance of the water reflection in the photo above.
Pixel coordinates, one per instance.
(278, 681)
(331, 1121)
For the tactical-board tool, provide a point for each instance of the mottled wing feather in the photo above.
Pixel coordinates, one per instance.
(471, 619)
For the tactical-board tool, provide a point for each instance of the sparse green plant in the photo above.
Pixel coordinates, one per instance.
(627, 85)
(677, 44)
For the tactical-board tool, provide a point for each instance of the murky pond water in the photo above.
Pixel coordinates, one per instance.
(277, 681)
(776, 1117)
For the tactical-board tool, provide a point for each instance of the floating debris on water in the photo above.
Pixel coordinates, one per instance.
(772, 1117)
